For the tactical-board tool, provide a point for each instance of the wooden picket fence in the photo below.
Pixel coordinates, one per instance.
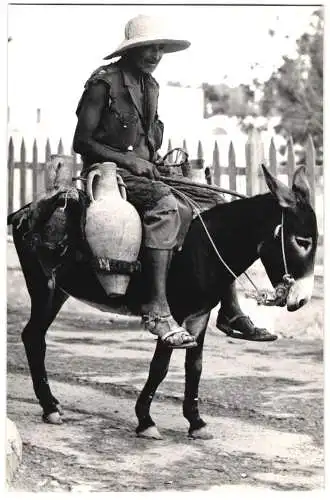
(22, 171)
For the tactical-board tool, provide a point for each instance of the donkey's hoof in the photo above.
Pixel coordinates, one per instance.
(200, 434)
(52, 418)
(150, 433)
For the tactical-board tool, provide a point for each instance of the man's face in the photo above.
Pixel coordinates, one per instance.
(146, 58)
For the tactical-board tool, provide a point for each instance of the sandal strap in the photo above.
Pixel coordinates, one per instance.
(255, 331)
(248, 319)
(236, 317)
(155, 318)
(173, 332)
(153, 323)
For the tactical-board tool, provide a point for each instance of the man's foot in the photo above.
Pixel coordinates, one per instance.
(167, 329)
(241, 327)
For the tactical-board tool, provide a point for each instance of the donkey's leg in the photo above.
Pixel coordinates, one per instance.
(157, 372)
(44, 308)
(196, 326)
(45, 304)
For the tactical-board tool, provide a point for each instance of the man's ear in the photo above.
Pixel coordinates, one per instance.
(300, 184)
(282, 193)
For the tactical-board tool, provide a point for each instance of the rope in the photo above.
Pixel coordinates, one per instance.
(261, 296)
(67, 192)
(197, 210)
(215, 189)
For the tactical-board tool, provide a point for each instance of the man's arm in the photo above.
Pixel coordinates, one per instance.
(88, 120)
(84, 143)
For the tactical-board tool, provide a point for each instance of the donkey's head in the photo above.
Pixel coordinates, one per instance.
(289, 250)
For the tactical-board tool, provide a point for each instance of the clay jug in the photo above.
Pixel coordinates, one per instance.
(113, 227)
(58, 178)
(58, 175)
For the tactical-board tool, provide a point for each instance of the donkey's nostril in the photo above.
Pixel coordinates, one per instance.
(302, 302)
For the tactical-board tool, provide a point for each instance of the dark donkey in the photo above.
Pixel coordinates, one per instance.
(279, 227)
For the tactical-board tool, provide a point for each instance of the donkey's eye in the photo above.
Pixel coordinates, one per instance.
(303, 242)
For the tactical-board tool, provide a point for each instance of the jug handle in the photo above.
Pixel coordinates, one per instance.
(89, 187)
(121, 187)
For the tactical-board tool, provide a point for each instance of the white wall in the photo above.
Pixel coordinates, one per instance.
(181, 109)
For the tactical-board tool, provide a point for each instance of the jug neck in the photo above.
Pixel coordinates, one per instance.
(107, 184)
(108, 170)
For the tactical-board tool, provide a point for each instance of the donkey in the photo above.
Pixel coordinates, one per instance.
(279, 227)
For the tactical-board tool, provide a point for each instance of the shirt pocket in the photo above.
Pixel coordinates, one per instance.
(122, 129)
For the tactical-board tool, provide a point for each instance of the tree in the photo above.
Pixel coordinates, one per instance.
(294, 92)
(230, 101)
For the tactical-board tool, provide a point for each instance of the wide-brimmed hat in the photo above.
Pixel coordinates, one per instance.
(147, 30)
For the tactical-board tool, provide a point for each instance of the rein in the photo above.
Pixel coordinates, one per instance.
(263, 297)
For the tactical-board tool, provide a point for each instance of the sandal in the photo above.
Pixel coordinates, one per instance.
(169, 332)
(244, 329)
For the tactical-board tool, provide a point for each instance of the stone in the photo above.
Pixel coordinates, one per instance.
(13, 450)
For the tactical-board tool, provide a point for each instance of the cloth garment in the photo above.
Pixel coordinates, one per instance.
(130, 122)
(54, 228)
(124, 124)
(166, 217)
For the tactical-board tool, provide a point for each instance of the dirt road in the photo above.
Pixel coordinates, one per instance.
(263, 404)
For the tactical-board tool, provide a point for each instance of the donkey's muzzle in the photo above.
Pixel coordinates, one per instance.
(300, 293)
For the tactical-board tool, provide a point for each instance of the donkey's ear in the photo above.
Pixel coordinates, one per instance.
(284, 195)
(300, 184)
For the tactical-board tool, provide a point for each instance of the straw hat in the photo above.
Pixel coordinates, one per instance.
(146, 30)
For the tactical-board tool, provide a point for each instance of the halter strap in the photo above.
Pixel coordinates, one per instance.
(282, 245)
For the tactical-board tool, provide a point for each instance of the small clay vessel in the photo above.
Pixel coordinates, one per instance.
(59, 173)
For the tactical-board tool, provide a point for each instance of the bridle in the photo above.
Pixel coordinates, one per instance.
(281, 290)
(287, 277)
(263, 297)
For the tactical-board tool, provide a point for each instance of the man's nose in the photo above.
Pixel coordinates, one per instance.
(157, 51)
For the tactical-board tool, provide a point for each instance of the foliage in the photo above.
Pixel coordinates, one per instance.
(295, 91)
(230, 101)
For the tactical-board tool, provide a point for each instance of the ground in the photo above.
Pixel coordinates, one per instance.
(263, 404)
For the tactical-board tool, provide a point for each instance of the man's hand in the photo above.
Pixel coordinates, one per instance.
(140, 167)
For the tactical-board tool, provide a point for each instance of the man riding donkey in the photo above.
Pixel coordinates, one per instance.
(118, 122)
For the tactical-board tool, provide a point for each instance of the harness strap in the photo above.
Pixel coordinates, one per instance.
(114, 266)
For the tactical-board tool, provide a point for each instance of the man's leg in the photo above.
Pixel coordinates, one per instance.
(232, 321)
(161, 220)
(156, 264)
(161, 228)
(156, 313)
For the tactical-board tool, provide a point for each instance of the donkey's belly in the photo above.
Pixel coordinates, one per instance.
(111, 308)
(81, 283)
